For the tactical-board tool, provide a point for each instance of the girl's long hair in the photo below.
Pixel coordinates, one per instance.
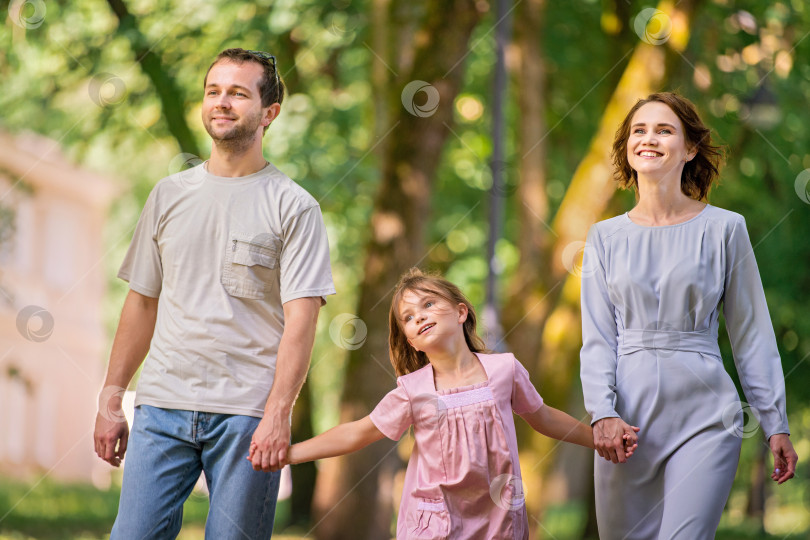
(404, 357)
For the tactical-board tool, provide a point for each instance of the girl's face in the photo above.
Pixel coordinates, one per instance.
(429, 320)
(657, 145)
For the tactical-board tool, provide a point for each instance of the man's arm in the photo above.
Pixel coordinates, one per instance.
(268, 448)
(130, 346)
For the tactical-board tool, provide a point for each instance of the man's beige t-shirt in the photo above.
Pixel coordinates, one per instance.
(223, 255)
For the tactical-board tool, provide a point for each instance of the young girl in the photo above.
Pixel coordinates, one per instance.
(463, 478)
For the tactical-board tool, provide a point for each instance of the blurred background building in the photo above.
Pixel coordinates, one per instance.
(52, 337)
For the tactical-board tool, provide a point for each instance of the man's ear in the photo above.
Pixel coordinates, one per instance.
(272, 113)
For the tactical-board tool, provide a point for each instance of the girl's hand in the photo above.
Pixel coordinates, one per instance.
(338, 441)
(630, 443)
(784, 458)
(609, 439)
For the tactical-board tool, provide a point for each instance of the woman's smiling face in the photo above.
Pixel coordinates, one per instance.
(657, 144)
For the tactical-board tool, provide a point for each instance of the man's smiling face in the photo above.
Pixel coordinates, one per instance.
(232, 107)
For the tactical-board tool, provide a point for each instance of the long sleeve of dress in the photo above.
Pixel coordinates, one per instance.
(598, 358)
(751, 333)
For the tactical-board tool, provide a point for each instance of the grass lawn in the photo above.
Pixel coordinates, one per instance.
(50, 511)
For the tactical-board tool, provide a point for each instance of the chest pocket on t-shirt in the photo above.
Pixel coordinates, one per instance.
(251, 262)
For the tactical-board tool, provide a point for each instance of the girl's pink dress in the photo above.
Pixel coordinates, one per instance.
(463, 478)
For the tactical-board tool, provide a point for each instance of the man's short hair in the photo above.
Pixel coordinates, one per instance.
(271, 87)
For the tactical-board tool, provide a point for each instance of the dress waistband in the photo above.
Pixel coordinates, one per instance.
(632, 340)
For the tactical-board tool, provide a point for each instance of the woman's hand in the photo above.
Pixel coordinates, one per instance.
(614, 439)
(784, 457)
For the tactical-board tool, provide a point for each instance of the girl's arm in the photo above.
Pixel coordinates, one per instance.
(339, 440)
(558, 425)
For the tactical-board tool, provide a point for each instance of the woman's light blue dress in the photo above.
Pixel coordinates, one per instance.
(651, 298)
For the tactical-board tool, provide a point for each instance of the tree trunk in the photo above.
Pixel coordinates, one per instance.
(755, 509)
(523, 315)
(381, 73)
(170, 95)
(354, 494)
(528, 289)
(305, 474)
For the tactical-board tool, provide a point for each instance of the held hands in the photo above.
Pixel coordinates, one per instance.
(280, 465)
(287, 460)
(614, 439)
(270, 443)
(784, 458)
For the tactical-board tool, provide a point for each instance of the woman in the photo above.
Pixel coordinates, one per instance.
(653, 282)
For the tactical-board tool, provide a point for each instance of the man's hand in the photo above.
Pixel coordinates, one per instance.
(613, 439)
(784, 457)
(269, 444)
(128, 351)
(268, 447)
(112, 431)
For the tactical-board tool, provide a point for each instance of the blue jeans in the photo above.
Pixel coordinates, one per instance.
(167, 450)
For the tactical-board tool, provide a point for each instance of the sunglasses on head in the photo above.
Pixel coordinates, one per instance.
(268, 58)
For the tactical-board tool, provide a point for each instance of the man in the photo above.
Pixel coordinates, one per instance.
(228, 268)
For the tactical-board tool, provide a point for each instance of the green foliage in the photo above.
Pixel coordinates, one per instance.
(751, 54)
(765, 157)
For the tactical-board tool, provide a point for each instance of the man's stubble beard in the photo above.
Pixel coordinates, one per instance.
(240, 137)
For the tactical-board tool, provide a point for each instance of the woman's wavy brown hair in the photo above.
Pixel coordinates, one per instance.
(698, 173)
(404, 357)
